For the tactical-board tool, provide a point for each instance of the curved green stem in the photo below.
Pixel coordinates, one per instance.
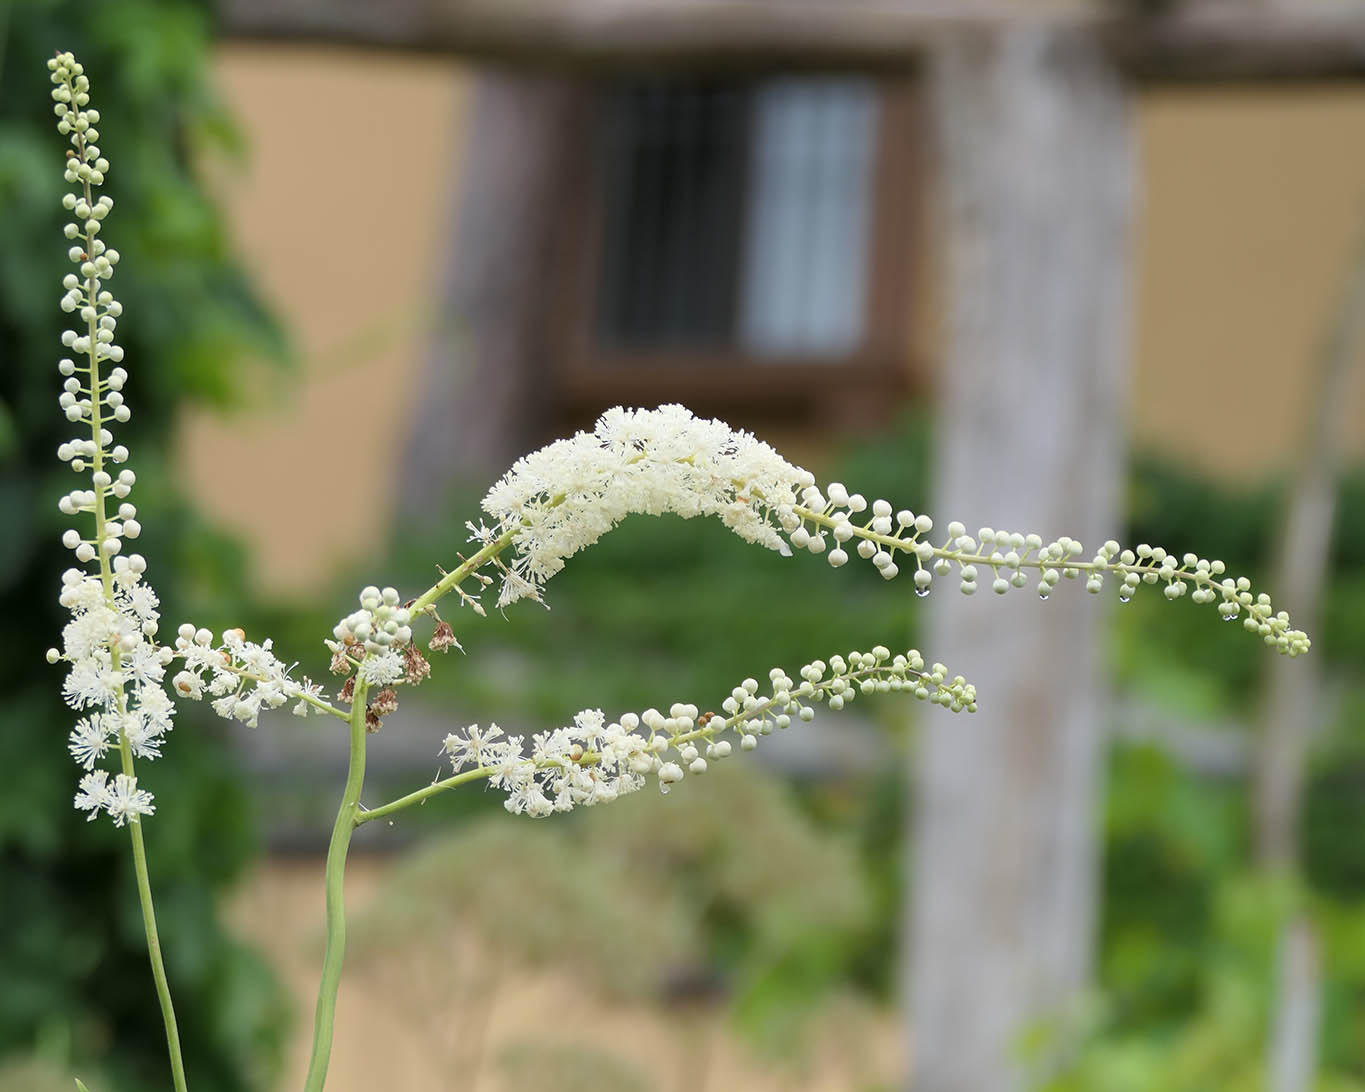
(456, 576)
(421, 794)
(335, 952)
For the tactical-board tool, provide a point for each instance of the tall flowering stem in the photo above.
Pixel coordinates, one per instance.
(110, 642)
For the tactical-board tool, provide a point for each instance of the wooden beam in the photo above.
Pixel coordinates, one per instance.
(1198, 40)
(600, 33)
(1239, 40)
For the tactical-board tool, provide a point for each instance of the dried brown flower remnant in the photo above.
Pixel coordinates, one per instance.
(444, 638)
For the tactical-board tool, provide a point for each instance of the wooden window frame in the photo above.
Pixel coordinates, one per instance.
(584, 376)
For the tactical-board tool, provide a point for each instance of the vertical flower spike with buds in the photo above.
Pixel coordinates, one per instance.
(115, 664)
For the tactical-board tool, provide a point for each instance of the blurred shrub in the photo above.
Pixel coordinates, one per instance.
(723, 890)
(72, 949)
(1176, 508)
(1188, 934)
(569, 1067)
(36, 1075)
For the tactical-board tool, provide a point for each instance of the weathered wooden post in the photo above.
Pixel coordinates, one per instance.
(1037, 188)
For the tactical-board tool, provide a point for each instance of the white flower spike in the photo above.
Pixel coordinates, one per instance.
(593, 762)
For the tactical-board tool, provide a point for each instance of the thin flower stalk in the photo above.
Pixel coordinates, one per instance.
(116, 665)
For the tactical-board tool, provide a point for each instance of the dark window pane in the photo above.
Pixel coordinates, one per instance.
(673, 167)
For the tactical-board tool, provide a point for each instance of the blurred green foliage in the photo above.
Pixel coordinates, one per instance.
(569, 1067)
(77, 990)
(35, 1075)
(1190, 931)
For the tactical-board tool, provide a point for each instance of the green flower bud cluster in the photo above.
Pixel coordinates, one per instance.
(1008, 558)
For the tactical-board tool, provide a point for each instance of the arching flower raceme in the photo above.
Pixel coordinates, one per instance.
(592, 761)
(565, 496)
(557, 500)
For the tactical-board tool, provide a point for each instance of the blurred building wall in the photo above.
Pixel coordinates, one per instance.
(1252, 198)
(349, 181)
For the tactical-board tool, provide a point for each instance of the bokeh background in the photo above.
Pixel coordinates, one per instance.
(1087, 269)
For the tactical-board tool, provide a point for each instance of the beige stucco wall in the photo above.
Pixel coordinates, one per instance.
(1252, 198)
(1253, 201)
(341, 225)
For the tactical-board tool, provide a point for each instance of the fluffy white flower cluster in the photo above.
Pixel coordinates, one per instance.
(1009, 555)
(240, 676)
(115, 679)
(564, 497)
(121, 798)
(593, 762)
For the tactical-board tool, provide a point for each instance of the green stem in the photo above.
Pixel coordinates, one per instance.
(163, 989)
(422, 793)
(456, 576)
(335, 951)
